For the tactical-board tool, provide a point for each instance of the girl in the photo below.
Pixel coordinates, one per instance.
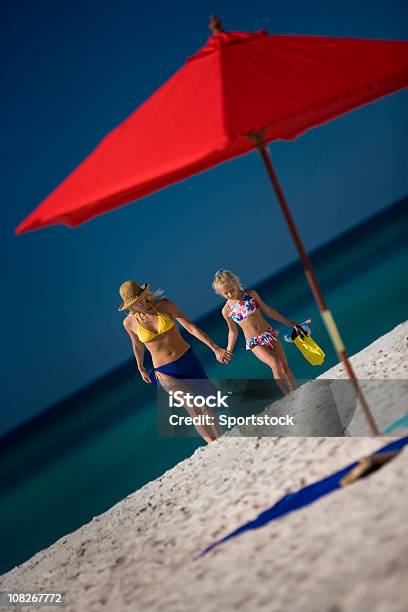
(244, 308)
(150, 323)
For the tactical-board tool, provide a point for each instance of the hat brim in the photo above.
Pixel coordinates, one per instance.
(126, 305)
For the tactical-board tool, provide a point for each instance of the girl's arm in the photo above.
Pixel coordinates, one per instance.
(232, 329)
(271, 312)
(222, 355)
(138, 350)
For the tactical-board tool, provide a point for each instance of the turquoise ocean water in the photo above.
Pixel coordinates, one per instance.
(88, 452)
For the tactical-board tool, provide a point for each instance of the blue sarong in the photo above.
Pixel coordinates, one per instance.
(301, 498)
(186, 366)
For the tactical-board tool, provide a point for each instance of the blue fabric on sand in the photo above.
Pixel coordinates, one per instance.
(301, 498)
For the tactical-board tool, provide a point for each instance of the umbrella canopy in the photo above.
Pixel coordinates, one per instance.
(237, 84)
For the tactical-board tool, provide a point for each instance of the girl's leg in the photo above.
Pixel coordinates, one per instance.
(285, 370)
(269, 355)
(209, 433)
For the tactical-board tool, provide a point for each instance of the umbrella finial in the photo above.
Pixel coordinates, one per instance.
(215, 25)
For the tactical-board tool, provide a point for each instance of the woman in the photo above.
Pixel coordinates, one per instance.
(244, 308)
(150, 323)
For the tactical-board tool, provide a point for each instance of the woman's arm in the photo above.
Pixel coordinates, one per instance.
(222, 355)
(232, 329)
(270, 312)
(138, 350)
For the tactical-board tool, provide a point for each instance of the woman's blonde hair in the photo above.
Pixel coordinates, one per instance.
(225, 276)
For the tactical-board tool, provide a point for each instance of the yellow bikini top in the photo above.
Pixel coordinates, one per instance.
(164, 323)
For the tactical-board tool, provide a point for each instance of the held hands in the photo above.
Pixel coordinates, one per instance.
(145, 375)
(222, 355)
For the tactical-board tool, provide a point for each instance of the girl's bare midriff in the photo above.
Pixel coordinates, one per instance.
(254, 325)
(166, 347)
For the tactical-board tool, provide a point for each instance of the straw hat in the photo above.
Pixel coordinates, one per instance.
(131, 292)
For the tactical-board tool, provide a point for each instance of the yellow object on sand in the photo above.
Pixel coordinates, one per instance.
(310, 350)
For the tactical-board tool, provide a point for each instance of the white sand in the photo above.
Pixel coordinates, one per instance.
(347, 552)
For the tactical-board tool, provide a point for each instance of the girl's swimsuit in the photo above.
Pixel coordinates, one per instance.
(243, 309)
(263, 339)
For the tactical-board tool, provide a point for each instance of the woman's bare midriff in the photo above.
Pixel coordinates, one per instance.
(166, 347)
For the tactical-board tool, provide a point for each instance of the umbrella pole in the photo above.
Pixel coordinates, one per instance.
(324, 311)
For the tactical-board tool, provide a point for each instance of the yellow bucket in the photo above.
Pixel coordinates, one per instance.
(310, 350)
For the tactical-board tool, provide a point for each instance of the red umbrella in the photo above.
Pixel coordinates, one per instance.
(240, 91)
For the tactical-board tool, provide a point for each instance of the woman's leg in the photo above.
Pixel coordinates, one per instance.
(270, 356)
(209, 433)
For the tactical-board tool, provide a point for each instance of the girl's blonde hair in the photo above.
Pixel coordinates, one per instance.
(225, 276)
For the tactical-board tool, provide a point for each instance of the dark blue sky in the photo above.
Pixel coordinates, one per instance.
(71, 72)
